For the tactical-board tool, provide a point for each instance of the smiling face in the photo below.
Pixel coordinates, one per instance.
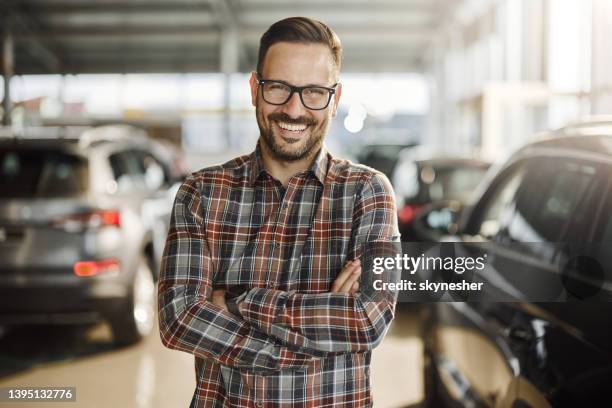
(291, 132)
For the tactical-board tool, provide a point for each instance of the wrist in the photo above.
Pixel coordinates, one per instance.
(233, 297)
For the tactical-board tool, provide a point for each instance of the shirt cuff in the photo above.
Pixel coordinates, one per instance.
(264, 307)
(233, 303)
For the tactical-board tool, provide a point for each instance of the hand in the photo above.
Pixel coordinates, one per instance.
(348, 279)
(218, 298)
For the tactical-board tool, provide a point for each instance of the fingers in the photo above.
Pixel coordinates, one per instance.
(218, 298)
(347, 277)
(351, 280)
(343, 275)
(218, 293)
(354, 288)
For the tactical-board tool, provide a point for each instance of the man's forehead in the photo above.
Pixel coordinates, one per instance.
(299, 63)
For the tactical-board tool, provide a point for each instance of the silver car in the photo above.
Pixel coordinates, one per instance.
(82, 227)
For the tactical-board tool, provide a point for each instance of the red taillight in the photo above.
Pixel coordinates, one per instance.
(110, 218)
(407, 214)
(91, 219)
(92, 268)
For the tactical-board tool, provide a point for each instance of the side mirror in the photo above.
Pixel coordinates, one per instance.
(438, 220)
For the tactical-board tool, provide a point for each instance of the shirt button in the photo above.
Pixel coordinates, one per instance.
(259, 404)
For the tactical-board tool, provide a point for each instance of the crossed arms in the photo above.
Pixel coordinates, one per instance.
(278, 329)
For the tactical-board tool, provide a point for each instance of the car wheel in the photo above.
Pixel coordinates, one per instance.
(136, 318)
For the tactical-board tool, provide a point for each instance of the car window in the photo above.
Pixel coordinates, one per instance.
(604, 223)
(155, 172)
(41, 173)
(544, 200)
(452, 182)
(553, 201)
(127, 171)
(499, 208)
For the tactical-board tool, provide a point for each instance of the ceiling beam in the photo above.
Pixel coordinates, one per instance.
(117, 6)
(19, 25)
(232, 49)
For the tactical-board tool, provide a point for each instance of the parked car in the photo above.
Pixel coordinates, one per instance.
(382, 157)
(531, 353)
(82, 227)
(424, 177)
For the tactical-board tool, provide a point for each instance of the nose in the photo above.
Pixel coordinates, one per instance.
(293, 107)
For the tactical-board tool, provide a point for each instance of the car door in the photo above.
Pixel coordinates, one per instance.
(470, 353)
(528, 232)
(528, 221)
(158, 200)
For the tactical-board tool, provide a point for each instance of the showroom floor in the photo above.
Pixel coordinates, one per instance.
(149, 375)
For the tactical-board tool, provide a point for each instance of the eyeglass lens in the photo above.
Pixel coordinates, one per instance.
(278, 93)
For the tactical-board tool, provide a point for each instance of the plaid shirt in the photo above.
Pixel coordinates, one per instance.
(297, 344)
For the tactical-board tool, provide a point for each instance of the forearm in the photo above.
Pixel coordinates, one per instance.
(329, 322)
(195, 325)
(188, 320)
(338, 322)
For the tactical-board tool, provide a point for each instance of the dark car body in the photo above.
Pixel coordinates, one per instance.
(424, 177)
(531, 353)
(382, 157)
(82, 227)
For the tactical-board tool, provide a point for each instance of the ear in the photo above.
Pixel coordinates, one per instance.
(254, 87)
(337, 99)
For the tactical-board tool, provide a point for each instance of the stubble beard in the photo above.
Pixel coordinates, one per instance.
(317, 132)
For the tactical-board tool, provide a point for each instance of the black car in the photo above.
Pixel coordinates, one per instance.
(83, 220)
(382, 157)
(423, 177)
(552, 346)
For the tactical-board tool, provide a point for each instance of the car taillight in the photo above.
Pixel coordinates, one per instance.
(93, 268)
(91, 219)
(407, 214)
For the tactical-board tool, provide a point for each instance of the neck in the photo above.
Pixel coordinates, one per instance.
(284, 170)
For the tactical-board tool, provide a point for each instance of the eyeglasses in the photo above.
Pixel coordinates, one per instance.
(312, 97)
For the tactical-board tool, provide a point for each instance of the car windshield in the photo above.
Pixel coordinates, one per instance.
(453, 183)
(34, 173)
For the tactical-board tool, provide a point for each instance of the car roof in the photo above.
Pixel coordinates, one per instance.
(601, 144)
(72, 138)
(594, 138)
(64, 145)
(426, 155)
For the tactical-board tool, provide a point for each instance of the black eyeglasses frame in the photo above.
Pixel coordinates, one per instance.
(332, 90)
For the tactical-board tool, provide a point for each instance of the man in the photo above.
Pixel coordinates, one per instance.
(260, 276)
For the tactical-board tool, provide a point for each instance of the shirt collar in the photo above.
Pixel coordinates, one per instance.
(318, 167)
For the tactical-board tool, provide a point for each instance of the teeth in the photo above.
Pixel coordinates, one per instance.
(291, 127)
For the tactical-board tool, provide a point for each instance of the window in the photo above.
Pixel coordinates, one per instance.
(498, 210)
(604, 233)
(154, 171)
(41, 173)
(553, 204)
(545, 200)
(453, 183)
(127, 171)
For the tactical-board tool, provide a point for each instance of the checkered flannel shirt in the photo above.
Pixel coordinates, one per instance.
(296, 344)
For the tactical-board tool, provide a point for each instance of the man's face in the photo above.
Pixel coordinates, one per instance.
(292, 132)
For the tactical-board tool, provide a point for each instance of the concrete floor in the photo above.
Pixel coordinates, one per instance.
(149, 375)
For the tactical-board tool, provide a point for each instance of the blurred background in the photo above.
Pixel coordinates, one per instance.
(108, 104)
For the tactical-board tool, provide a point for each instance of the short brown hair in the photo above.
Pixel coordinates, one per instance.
(299, 30)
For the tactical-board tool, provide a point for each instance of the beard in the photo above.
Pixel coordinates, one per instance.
(291, 149)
